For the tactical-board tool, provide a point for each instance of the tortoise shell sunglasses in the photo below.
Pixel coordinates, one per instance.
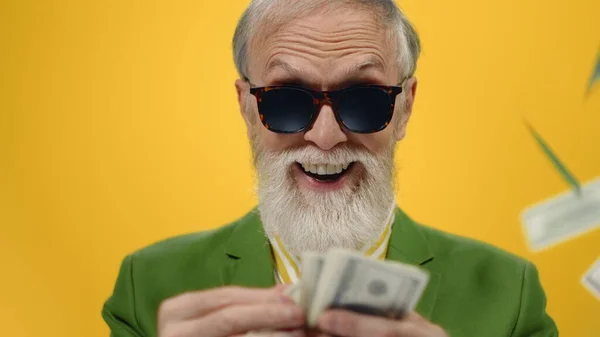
(294, 109)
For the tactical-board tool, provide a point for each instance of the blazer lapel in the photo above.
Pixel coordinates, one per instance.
(248, 253)
(409, 245)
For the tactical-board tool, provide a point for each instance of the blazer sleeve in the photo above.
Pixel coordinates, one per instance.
(119, 310)
(533, 320)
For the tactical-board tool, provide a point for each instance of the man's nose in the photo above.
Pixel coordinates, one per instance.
(326, 132)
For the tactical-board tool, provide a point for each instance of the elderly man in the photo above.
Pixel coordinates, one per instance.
(326, 90)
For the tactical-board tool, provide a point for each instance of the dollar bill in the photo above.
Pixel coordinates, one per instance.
(312, 266)
(362, 284)
(591, 279)
(562, 217)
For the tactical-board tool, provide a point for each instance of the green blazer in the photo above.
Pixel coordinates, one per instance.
(475, 290)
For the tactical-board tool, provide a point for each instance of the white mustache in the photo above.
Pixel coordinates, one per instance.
(312, 154)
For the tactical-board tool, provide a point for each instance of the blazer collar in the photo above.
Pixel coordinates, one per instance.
(408, 244)
(250, 260)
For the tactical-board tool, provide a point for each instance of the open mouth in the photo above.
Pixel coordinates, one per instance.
(325, 172)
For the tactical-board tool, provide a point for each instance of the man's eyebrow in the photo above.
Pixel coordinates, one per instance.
(368, 71)
(288, 68)
(367, 64)
(293, 75)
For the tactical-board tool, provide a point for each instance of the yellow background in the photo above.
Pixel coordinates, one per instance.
(119, 127)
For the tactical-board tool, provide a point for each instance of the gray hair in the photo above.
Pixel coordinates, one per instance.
(387, 12)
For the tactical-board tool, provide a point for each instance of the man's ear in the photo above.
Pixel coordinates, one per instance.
(406, 111)
(242, 87)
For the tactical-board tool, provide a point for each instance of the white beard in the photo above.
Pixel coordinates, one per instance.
(306, 220)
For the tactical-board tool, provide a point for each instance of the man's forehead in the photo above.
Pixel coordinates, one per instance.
(340, 44)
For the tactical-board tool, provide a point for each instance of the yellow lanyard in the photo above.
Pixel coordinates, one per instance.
(286, 266)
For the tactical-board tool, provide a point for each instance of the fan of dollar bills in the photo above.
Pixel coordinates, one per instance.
(345, 279)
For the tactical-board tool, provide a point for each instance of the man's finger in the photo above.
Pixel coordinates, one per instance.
(349, 324)
(413, 316)
(238, 319)
(195, 304)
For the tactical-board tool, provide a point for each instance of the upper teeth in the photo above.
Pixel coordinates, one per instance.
(322, 169)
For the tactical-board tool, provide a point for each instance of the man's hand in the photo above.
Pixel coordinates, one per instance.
(348, 324)
(226, 312)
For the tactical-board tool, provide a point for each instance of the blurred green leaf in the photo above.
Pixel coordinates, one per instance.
(557, 163)
(595, 75)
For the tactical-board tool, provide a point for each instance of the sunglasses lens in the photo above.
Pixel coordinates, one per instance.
(365, 110)
(286, 110)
